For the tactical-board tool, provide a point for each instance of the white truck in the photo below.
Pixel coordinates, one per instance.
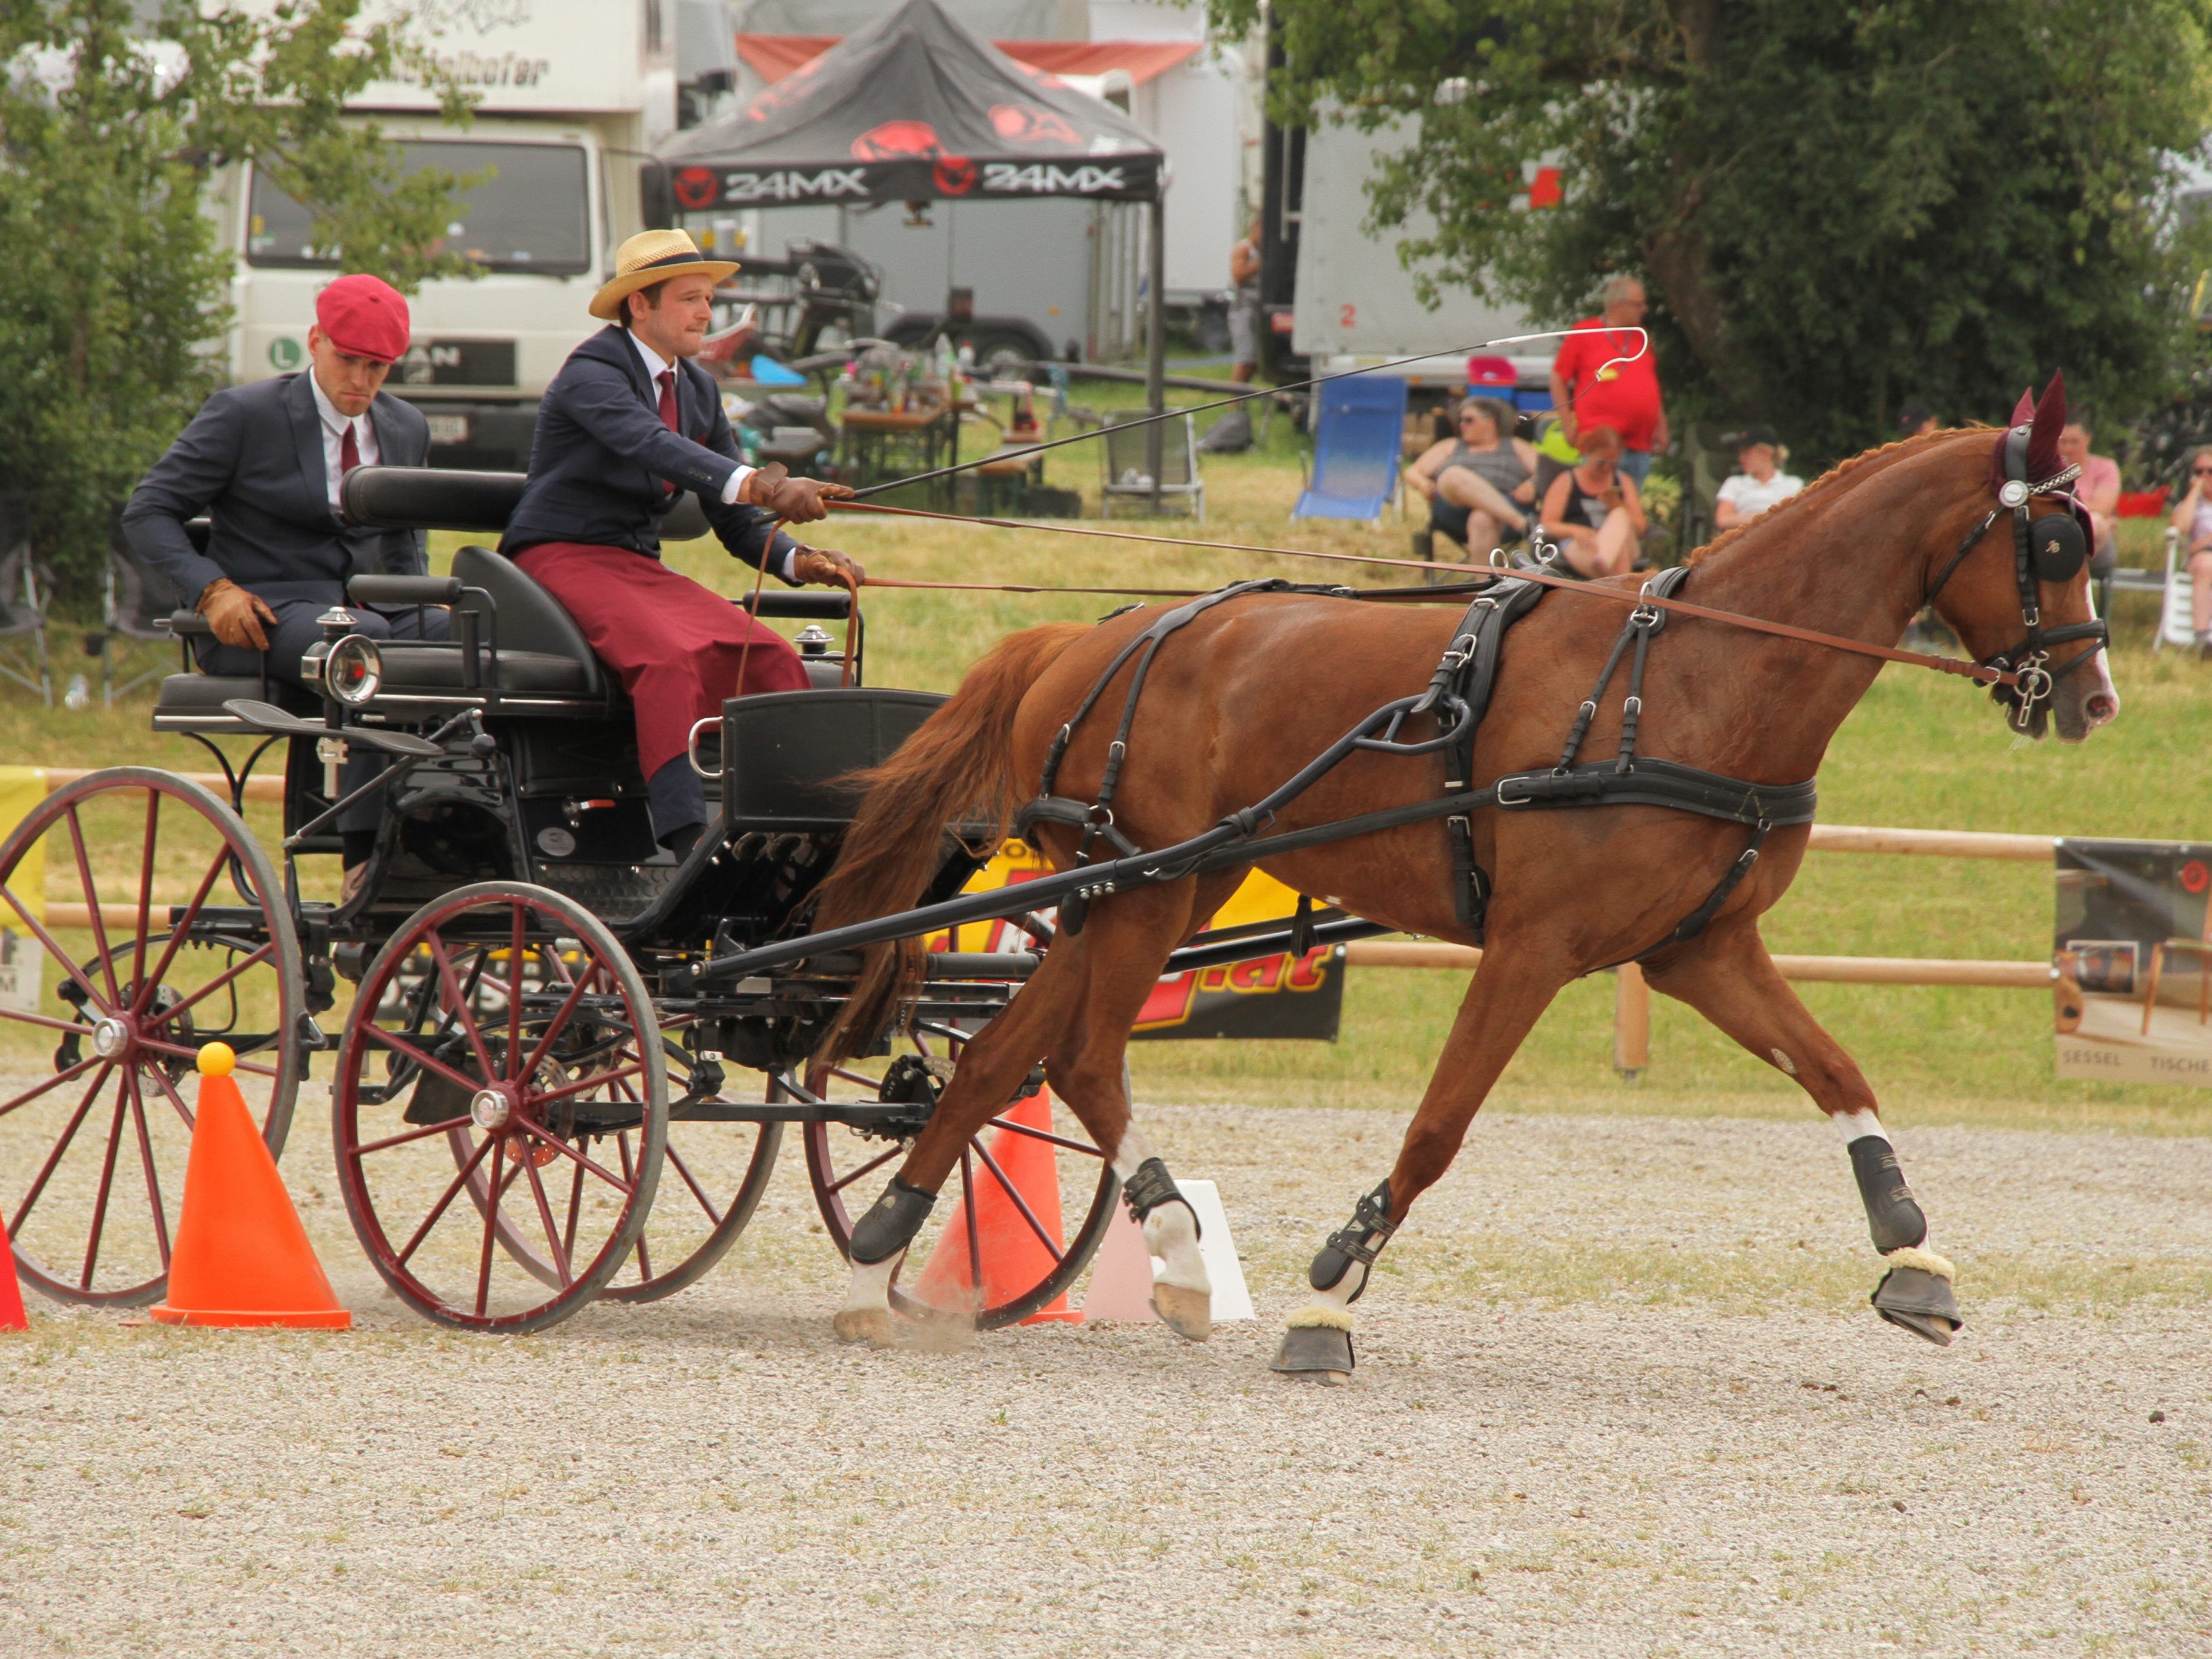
(1355, 304)
(572, 95)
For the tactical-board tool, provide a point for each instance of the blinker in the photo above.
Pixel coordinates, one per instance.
(2057, 548)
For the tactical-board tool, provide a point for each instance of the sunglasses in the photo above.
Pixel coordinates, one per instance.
(2202, 471)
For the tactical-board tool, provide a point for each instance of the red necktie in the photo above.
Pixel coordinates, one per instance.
(668, 380)
(348, 452)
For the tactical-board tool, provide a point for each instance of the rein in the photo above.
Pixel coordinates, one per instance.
(1982, 673)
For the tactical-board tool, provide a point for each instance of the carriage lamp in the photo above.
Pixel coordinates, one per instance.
(353, 670)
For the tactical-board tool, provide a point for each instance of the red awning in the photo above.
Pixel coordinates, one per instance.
(772, 56)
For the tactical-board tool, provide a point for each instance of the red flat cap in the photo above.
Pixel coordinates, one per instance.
(364, 316)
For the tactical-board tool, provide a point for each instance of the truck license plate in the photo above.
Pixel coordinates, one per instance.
(448, 429)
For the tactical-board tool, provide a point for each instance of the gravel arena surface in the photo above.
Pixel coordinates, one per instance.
(1618, 1392)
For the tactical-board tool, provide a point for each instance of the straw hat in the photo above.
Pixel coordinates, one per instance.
(650, 257)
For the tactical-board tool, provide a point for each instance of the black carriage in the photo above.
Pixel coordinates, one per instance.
(538, 1096)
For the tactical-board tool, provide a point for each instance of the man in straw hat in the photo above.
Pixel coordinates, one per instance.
(628, 424)
(263, 461)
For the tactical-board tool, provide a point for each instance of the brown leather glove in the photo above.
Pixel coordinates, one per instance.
(235, 615)
(796, 500)
(819, 565)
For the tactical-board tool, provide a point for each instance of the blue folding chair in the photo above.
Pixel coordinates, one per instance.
(1359, 443)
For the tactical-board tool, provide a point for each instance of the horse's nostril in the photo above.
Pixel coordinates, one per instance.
(2101, 708)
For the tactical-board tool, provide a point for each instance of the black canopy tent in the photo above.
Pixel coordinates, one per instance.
(917, 107)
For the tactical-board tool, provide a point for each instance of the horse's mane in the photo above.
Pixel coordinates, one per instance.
(1826, 481)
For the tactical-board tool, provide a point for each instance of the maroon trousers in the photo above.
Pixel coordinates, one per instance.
(675, 645)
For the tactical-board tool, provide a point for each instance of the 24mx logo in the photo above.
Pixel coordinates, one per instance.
(1035, 179)
(787, 185)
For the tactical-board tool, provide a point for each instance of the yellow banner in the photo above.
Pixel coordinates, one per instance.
(22, 959)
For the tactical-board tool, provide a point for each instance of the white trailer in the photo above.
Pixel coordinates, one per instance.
(574, 93)
(1355, 303)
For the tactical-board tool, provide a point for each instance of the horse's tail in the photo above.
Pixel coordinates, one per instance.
(958, 766)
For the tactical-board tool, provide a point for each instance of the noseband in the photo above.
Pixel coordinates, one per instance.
(2051, 548)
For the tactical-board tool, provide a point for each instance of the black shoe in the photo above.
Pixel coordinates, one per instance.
(681, 839)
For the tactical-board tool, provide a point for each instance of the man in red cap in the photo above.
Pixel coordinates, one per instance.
(263, 462)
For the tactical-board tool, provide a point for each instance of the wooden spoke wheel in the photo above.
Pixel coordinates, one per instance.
(494, 1051)
(142, 919)
(713, 1182)
(1026, 1209)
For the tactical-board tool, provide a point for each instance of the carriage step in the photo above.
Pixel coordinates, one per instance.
(613, 891)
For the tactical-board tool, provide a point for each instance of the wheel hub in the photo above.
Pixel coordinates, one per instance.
(490, 1110)
(111, 1037)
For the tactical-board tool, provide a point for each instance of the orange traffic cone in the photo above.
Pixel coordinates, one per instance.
(11, 1294)
(242, 1257)
(1014, 1256)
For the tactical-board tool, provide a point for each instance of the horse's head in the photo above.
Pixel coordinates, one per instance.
(2016, 588)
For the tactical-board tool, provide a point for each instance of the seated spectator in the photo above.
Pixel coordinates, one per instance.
(1759, 486)
(2192, 516)
(2097, 489)
(1593, 509)
(1915, 420)
(1480, 484)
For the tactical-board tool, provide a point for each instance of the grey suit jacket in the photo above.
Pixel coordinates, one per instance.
(252, 460)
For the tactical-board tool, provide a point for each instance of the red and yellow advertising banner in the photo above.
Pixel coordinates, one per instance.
(1267, 997)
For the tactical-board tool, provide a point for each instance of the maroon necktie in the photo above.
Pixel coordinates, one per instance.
(667, 378)
(348, 458)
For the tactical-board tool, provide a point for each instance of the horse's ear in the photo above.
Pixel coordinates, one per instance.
(2024, 410)
(2050, 421)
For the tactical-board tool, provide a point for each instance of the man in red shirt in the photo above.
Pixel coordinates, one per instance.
(1590, 388)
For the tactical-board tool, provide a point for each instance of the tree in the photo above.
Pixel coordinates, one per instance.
(1834, 207)
(114, 117)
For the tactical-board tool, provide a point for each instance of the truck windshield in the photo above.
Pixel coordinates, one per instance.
(530, 215)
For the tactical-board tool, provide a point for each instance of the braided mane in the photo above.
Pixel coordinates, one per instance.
(1729, 537)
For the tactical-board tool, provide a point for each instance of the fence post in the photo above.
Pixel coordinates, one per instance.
(1632, 1022)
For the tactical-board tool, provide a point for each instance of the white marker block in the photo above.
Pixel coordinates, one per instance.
(1121, 1278)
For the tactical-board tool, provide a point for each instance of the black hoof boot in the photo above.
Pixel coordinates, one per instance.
(1316, 1352)
(1915, 1295)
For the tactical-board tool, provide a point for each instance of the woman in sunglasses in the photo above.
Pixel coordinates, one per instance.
(1594, 510)
(1481, 485)
(2193, 518)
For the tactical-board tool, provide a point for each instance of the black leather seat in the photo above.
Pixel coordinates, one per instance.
(529, 622)
(194, 702)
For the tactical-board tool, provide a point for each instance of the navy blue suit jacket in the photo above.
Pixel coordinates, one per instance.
(252, 460)
(600, 454)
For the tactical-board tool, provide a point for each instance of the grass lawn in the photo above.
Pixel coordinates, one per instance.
(1920, 752)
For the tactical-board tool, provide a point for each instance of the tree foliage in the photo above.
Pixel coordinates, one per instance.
(1835, 207)
(114, 117)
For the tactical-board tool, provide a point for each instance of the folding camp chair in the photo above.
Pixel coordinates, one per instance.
(136, 602)
(1127, 456)
(2176, 621)
(26, 592)
(1359, 444)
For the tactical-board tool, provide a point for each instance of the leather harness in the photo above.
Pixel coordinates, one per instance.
(1457, 698)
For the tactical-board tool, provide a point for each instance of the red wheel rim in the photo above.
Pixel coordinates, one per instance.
(841, 1166)
(484, 1145)
(150, 922)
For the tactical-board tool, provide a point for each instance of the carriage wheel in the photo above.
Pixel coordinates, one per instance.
(493, 1050)
(722, 1170)
(139, 918)
(952, 1251)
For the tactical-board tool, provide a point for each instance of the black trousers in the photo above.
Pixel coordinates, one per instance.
(296, 630)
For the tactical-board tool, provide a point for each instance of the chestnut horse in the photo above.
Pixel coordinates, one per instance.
(1254, 688)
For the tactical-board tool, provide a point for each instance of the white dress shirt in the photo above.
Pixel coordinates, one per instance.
(334, 427)
(655, 367)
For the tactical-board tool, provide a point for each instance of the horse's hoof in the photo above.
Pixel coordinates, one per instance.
(1187, 1313)
(1315, 1353)
(864, 1327)
(1914, 1299)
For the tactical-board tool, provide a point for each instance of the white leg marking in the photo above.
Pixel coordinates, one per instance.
(870, 1287)
(1170, 1231)
(1857, 1126)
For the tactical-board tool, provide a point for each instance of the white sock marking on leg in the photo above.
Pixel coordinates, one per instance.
(870, 1287)
(1857, 1126)
(1171, 1230)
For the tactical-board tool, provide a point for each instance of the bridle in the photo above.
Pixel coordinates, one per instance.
(2050, 547)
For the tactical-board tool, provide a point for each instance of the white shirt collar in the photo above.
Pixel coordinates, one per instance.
(655, 367)
(329, 411)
